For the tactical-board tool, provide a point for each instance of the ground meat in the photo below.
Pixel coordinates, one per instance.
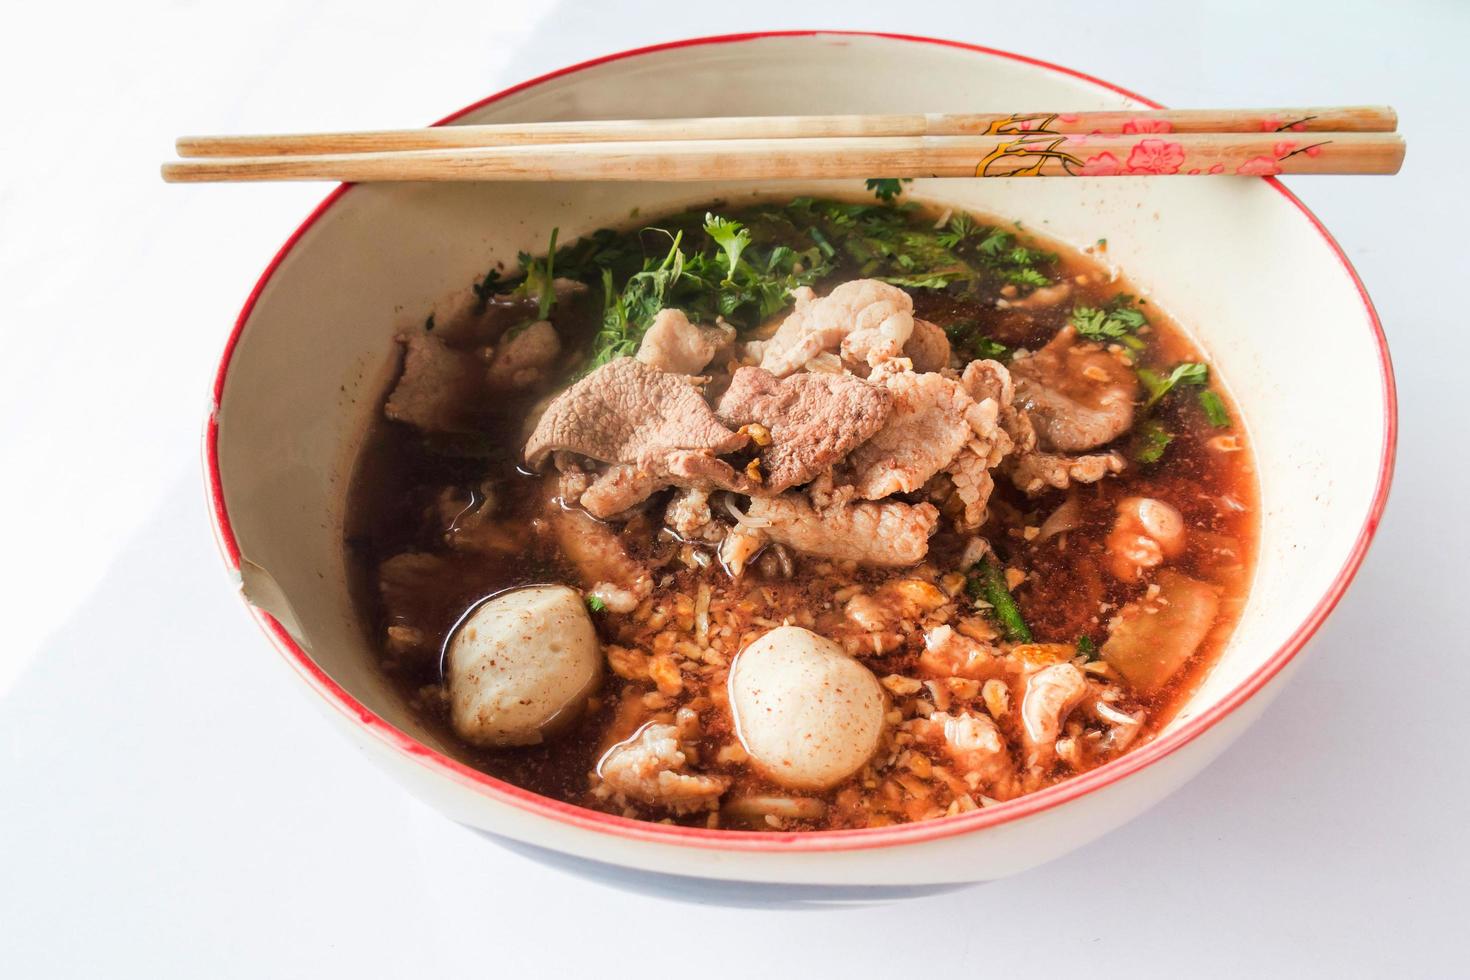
(977, 746)
(1037, 472)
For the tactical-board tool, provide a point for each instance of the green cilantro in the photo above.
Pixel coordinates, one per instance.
(1117, 321)
(959, 227)
(731, 236)
(595, 603)
(1086, 648)
(887, 188)
(539, 274)
(1150, 442)
(1157, 385)
(965, 336)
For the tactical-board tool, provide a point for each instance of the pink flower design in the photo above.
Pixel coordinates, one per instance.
(1271, 123)
(1155, 157)
(1217, 168)
(1102, 165)
(1193, 171)
(1025, 125)
(1259, 167)
(1282, 147)
(1299, 127)
(1069, 117)
(1312, 151)
(1147, 126)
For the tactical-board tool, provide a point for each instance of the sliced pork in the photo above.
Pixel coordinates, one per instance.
(628, 413)
(886, 533)
(867, 321)
(934, 418)
(652, 767)
(524, 357)
(675, 345)
(813, 420)
(1078, 394)
(438, 387)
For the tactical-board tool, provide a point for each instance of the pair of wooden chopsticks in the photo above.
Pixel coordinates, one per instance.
(1191, 142)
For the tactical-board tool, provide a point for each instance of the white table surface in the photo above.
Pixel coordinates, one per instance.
(170, 805)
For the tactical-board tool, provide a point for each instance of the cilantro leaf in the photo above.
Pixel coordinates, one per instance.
(1117, 321)
(1150, 442)
(731, 236)
(595, 603)
(959, 227)
(1157, 385)
(886, 188)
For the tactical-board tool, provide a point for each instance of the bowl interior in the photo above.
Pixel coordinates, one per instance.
(1236, 262)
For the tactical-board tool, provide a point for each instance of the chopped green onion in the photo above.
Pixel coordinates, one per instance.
(990, 585)
(1214, 408)
(1086, 647)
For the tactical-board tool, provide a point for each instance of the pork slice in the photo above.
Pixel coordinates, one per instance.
(618, 488)
(524, 357)
(933, 419)
(652, 768)
(814, 419)
(990, 379)
(439, 385)
(673, 344)
(1077, 394)
(867, 320)
(888, 533)
(976, 744)
(928, 347)
(603, 566)
(627, 412)
(1036, 472)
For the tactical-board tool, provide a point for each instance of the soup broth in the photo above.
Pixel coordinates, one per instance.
(1008, 636)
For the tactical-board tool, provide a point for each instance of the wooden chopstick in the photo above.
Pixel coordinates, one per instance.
(1014, 155)
(1341, 119)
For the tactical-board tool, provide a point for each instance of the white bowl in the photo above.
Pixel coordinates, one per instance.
(1239, 262)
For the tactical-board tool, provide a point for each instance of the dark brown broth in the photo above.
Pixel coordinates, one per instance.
(402, 473)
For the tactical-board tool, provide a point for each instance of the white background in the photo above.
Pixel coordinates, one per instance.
(170, 804)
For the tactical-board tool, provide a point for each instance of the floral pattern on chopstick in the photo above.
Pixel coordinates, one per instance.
(1037, 154)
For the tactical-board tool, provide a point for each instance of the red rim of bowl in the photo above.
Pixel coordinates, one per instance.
(812, 841)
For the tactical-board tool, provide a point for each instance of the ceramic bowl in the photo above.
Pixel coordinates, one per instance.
(1238, 261)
